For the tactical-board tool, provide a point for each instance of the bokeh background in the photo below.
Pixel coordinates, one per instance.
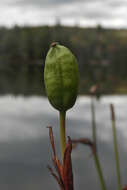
(96, 32)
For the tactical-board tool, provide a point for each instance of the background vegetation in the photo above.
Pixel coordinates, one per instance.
(101, 54)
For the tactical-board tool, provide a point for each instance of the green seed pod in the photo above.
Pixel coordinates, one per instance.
(61, 77)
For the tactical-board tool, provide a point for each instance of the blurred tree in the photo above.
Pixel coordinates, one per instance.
(101, 55)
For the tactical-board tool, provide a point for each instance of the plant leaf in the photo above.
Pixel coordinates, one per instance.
(64, 176)
(125, 188)
(85, 141)
(67, 166)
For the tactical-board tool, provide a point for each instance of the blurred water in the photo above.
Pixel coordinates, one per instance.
(25, 151)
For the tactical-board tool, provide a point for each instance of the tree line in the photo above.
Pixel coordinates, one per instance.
(101, 55)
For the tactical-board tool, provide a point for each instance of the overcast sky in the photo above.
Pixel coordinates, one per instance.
(109, 13)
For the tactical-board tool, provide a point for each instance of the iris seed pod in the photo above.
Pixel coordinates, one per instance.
(61, 77)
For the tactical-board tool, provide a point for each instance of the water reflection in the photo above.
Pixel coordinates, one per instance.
(25, 150)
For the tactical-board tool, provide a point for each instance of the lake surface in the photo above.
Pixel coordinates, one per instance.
(25, 150)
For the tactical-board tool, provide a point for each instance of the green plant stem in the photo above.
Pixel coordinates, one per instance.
(115, 147)
(62, 132)
(93, 121)
(99, 170)
(96, 158)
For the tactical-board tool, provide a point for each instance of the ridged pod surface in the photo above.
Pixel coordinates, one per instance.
(61, 77)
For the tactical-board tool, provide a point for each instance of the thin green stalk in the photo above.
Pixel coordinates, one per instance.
(93, 121)
(99, 170)
(96, 158)
(115, 147)
(62, 132)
